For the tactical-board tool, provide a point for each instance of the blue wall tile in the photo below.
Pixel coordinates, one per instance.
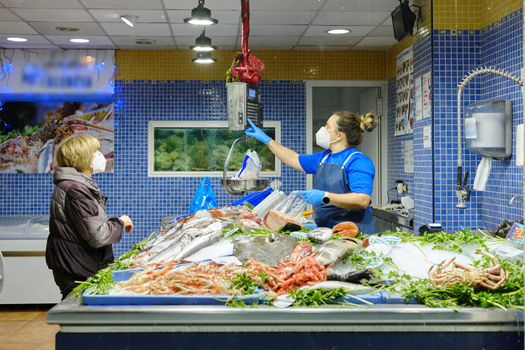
(146, 199)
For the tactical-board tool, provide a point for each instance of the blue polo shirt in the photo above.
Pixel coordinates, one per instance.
(359, 169)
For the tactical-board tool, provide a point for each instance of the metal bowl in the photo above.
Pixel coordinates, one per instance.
(239, 186)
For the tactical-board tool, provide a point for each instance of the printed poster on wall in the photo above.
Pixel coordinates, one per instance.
(30, 131)
(418, 98)
(427, 96)
(404, 90)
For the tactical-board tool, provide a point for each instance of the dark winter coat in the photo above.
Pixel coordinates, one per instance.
(80, 233)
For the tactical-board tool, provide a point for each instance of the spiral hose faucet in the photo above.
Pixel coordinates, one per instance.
(462, 189)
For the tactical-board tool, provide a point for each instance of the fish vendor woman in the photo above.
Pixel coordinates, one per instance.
(343, 175)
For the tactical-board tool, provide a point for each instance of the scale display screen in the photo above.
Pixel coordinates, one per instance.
(252, 93)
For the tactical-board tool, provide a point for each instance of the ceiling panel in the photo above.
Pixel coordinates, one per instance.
(43, 4)
(354, 30)
(53, 15)
(383, 31)
(130, 40)
(211, 4)
(322, 48)
(155, 29)
(188, 41)
(377, 41)
(123, 4)
(332, 40)
(93, 40)
(113, 15)
(211, 31)
(6, 15)
(286, 5)
(18, 28)
(31, 39)
(223, 16)
(281, 17)
(87, 46)
(360, 5)
(267, 30)
(28, 46)
(271, 42)
(350, 18)
(85, 28)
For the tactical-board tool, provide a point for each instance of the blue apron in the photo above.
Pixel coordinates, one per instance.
(333, 178)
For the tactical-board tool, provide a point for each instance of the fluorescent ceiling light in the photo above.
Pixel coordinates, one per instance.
(129, 20)
(79, 41)
(338, 31)
(17, 40)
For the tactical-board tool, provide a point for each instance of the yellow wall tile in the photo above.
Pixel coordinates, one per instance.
(471, 14)
(280, 65)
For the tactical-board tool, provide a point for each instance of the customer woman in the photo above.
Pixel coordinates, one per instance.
(80, 233)
(343, 175)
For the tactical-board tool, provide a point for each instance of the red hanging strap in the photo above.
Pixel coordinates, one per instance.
(245, 67)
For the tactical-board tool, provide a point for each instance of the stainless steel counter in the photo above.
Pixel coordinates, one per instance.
(386, 219)
(396, 327)
(74, 317)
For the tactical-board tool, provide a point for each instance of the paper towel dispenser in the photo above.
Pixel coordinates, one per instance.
(488, 128)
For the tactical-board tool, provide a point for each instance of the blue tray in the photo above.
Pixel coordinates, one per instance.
(93, 300)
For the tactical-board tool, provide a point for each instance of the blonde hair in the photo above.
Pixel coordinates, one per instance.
(353, 126)
(77, 152)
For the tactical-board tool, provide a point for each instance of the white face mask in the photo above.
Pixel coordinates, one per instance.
(322, 138)
(99, 163)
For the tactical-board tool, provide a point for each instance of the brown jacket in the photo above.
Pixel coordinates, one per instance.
(80, 233)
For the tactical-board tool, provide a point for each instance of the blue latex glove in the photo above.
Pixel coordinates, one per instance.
(312, 196)
(256, 133)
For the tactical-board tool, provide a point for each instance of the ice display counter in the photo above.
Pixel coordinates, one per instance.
(265, 327)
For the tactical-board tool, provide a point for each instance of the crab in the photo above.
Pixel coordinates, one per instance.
(450, 272)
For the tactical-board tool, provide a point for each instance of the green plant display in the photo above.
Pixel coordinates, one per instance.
(199, 149)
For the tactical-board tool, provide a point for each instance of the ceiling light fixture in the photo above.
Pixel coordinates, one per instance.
(201, 16)
(338, 31)
(79, 41)
(129, 20)
(17, 40)
(204, 58)
(203, 43)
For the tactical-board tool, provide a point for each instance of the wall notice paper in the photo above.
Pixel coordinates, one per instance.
(409, 156)
(427, 136)
(427, 96)
(418, 97)
(404, 93)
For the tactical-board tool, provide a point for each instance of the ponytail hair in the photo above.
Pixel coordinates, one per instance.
(353, 126)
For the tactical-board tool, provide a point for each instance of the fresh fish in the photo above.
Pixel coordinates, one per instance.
(351, 277)
(202, 241)
(351, 288)
(320, 234)
(331, 251)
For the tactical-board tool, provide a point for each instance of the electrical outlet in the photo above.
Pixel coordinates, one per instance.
(519, 145)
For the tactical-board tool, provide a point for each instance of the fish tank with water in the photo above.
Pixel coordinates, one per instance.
(191, 149)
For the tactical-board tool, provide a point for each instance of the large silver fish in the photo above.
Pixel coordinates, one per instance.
(331, 251)
(202, 241)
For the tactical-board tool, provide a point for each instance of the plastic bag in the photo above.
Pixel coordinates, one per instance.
(204, 197)
(251, 167)
(268, 203)
(294, 206)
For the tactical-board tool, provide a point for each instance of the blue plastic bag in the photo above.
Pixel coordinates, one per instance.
(254, 198)
(204, 197)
